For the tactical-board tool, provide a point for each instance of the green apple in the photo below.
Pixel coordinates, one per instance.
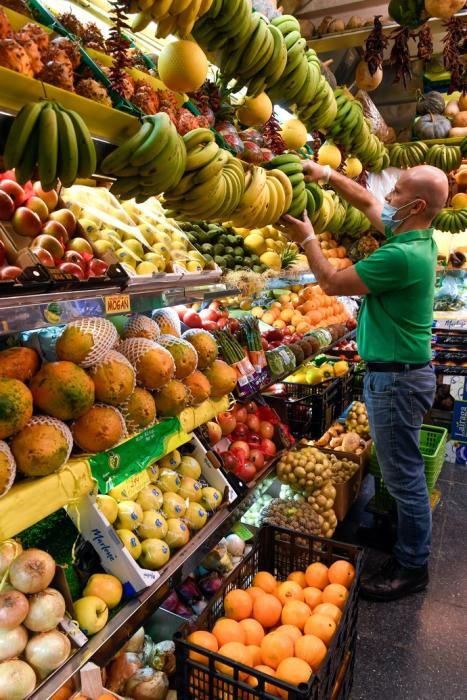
(125, 257)
(91, 613)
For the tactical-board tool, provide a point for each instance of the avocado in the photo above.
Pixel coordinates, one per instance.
(219, 249)
(238, 267)
(229, 250)
(238, 240)
(223, 239)
(232, 239)
(238, 260)
(219, 260)
(229, 261)
(239, 251)
(208, 258)
(257, 268)
(207, 248)
(255, 259)
(248, 262)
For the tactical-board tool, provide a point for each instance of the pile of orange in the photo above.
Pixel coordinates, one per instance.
(280, 628)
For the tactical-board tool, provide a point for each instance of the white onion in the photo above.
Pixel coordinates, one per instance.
(9, 549)
(32, 571)
(12, 642)
(17, 680)
(47, 651)
(14, 607)
(46, 609)
(136, 642)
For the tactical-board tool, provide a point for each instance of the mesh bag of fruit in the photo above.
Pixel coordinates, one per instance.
(86, 341)
(154, 365)
(139, 326)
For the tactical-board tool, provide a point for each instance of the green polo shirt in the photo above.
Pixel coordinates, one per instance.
(396, 318)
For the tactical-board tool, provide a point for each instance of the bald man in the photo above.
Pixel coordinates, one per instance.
(394, 338)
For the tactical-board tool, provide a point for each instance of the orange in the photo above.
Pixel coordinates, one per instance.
(255, 654)
(276, 647)
(237, 605)
(321, 626)
(313, 596)
(289, 590)
(293, 671)
(226, 630)
(254, 592)
(337, 594)
(295, 613)
(267, 610)
(298, 577)
(330, 610)
(317, 575)
(254, 632)
(234, 651)
(291, 630)
(266, 581)
(268, 687)
(342, 572)
(203, 639)
(62, 694)
(311, 649)
(105, 696)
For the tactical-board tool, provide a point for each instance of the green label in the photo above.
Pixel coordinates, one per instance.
(242, 531)
(113, 467)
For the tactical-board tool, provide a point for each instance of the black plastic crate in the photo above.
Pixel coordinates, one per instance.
(279, 551)
(346, 388)
(304, 391)
(308, 417)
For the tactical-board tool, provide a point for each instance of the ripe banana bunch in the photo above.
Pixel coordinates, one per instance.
(407, 155)
(446, 158)
(336, 223)
(291, 166)
(149, 162)
(172, 16)
(212, 185)
(54, 138)
(315, 197)
(452, 220)
(268, 195)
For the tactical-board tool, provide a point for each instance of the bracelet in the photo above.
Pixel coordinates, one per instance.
(328, 172)
(308, 239)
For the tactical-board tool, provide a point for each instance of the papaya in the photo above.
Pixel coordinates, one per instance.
(41, 448)
(19, 363)
(62, 390)
(101, 428)
(16, 405)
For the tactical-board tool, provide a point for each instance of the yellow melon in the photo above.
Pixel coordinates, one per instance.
(255, 110)
(294, 133)
(329, 154)
(182, 66)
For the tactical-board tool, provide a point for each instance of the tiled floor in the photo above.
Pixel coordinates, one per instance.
(416, 648)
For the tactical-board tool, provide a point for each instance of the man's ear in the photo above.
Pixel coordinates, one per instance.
(420, 206)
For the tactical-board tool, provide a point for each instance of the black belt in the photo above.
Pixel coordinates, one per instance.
(394, 366)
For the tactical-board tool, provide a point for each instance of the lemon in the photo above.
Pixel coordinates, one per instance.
(271, 260)
(146, 268)
(195, 516)
(131, 542)
(255, 242)
(194, 266)
(153, 525)
(255, 110)
(154, 554)
(189, 466)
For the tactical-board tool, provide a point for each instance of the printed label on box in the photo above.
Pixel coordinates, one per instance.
(459, 421)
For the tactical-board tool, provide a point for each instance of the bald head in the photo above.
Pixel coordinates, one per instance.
(427, 183)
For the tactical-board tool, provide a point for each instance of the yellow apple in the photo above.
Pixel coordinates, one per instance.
(106, 587)
(108, 506)
(130, 541)
(92, 614)
(130, 515)
(102, 247)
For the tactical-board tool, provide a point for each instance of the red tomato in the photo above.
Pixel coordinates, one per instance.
(266, 429)
(257, 458)
(241, 445)
(192, 319)
(252, 422)
(267, 447)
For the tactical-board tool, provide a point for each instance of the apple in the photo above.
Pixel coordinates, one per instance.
(246, 472)
(267, 447)
(7, 206)
(209, 315)
(102, 247)
(10, 272)
(257, 459)
(15, 191)
(81, 245)
(209, 325)
(227, 422)
(50, 243)
(38, 205)
(26, 222)
(72, 269)
(71, 256)
(108, 506)
(66, 218)
(106, 587)
(56, 229)
(44, 256)
(214, 432)
(50, 198)
(266, 429)
(97, 268)
(252, 422)
(241, 413)
(242, 446)
(91, 613)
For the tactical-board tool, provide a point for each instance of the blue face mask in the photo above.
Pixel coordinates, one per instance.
(389, 212)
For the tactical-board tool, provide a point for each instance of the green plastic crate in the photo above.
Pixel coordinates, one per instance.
(432, 446)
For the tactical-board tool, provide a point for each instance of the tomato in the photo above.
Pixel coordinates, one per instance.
(227, 421)
(241, 445)
(192, 319)
(267, 447)
(209, 315)
(246, 472)
(257, 458)
(252, 422)
(266, 429)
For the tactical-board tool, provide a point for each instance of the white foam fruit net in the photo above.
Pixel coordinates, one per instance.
(135, 348)
(104, 335)
(139, 326)
(169, 341)
(60, 426)
(168, 321)
(114, 355)
(7, 479)
(131, 425)
(124, 432)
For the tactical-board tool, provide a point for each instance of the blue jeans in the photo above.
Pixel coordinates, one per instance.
(396, 403)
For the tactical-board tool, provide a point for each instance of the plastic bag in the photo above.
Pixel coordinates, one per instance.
(381, 184)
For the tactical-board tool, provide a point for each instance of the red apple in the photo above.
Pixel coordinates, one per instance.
(209, 315)
(56, 229)
(267, 447)
(214, 432)
(66, 218)
(230, 461)
(97, 268)
(80, 245)
(53, 245)
(7, 206)
(50, 198)
(44, 256)
(73, 257)
(240, 413)
(257, 458)
(252, 422)
(242, 446)
(26, 222)
(227, 422)
(15, 191)
(72, 269)
(10, 272)
(246, 472)
(192, 319)
(38, 205)
(266, 429)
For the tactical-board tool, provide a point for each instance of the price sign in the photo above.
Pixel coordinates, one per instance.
(117, 304)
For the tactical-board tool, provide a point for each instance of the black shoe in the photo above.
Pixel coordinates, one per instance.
(394, 581)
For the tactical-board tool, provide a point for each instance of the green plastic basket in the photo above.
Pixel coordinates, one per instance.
(432, 446)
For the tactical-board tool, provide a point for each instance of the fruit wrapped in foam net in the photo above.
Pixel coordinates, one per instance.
(87, 341)
(7, 468)
(154, 365)
(139, 326)
(168, 321)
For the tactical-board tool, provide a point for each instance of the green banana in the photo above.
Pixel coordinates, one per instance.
(48, 148)
(120, 156)
(197, 136)
(20, 132)
(161, 131)
(25, 168)
(87, 158)
(68, 154)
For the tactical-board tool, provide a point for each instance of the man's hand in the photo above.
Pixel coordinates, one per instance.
(313, 171)
(297, 229)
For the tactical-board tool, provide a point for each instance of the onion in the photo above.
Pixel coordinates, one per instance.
(9, 549)
(47, 651)
(12, 642)
(147, 684)
(46, 609)
(14, 607)
(136, 642)
(122, 668)
(32, 571)
(17, 680)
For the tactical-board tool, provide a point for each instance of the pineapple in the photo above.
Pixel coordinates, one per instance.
(5, 26)
(146, 98)
(14, 57)
(37, 34)
(58, 73)
(94, 91)
(289, 256)
(61, 45)
(71, 23)
(32, 50)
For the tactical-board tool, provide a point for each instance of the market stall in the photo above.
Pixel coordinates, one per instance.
(182, 426)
